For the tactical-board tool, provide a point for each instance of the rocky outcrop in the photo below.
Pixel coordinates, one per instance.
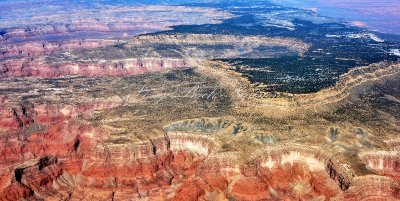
(83, 161)
(120, 20)
(35, 48)
(311, 157)
(201, 145)
(71, 160)
(349, 86)
(212, 46)
(372, 188)
(44, 48)
(216, 39)
(287, 171)
(39, 67)
(147, 53)
(383, 162)
(351, 83)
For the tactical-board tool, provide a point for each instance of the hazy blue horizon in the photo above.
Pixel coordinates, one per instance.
(382, 16)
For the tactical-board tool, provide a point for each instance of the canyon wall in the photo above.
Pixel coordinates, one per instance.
(39, 67)
(176, 166)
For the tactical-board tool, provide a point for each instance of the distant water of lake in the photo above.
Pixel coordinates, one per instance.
(379, 15)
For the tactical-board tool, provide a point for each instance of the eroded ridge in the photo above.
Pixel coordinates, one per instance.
(115, 20)
(148, 53)
(78, 161)
(73, 158)
(349, 86)
(221, 46)
(39, 67)
(356, 79)
(172, 161)
(383, 162)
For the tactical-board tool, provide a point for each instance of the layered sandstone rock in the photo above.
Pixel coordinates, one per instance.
(214, 40)
(372, 188)
(146, 53)
(383, 162)
(66, 159)
(53, 152)
(213, 46)
(35, 48)
(80, 20)
(24, 41)
(39, 67)
(349, 86)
